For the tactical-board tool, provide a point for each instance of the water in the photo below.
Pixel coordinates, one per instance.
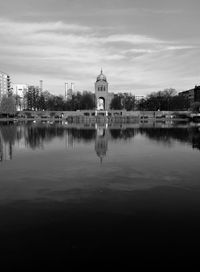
(85, 191)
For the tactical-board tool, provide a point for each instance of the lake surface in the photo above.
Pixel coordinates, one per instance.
(98, 192)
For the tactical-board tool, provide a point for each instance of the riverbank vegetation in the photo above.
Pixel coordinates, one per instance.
(166, 100)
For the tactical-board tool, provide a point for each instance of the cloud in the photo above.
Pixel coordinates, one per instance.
(133, 39)
(58, 51)
(182, 47)
(164, 11)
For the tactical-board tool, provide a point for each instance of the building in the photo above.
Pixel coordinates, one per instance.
(20, 90)
(5, 85)
(69, 91)
(139, 97)
(192, 95)
(102, 96)
(69, 94)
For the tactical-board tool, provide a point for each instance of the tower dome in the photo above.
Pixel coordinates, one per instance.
(101, 77)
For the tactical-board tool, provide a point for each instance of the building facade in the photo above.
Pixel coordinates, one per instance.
(69, 91)
(20, 90)
(102, 96)
(192, 95)
(5, 85)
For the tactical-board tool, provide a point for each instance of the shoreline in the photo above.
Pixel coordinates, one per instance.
(82, 119)
(111, 116)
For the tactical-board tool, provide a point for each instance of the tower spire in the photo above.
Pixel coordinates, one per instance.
(101, 70)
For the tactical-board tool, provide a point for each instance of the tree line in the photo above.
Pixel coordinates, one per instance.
(35, 100)
(166, 100)
(123, 101)
(47, 101)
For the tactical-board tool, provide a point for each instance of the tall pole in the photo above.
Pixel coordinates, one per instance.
(66, 88)
(72, 86)
(41, 86)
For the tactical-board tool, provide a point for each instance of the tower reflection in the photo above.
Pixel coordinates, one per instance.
(101, 141)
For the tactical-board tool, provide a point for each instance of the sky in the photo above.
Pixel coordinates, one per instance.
(141, 45)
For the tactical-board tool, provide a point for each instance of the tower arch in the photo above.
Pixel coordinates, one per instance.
(101, 103)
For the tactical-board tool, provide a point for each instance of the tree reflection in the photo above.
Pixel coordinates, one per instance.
(123, 133)
(189, 135)
(164, 135)
(9, 133)
(1, 148)
(195, 138)
(8, 136)
(36, 135)
(85, 135)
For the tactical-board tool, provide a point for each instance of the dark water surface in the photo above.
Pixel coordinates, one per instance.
(99, 193)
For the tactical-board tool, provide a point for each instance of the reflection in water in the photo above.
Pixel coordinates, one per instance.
(85, 135)
(8, 136)
(35, 136)
(1, 148)
(62, 198)
(124, 134)
(56, 197)
(190, 135)
(101, 142)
